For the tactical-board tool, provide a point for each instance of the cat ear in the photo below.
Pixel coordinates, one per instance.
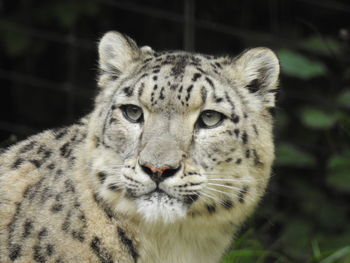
(258, 71)
(116, 52)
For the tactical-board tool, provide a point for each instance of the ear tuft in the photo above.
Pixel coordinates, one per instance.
(259, 69)
(116, 51)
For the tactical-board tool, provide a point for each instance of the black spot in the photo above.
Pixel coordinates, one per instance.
(196, 76)
(210, 82)
(36, 163)
(128, 91)
(218, 65)
(144, 75)
(46, 193)
(235, 118)
(37, 256)
(69, 186)
(59, 260)
(141, 88)
(65, 226)
(247, 153)
(128, 243)
(66, 223)
(189, 92)
(61, 133)
(227, 204)
(244, 137)
(211, 209)
(50, 249)
(56, 208)
(108, 212)
(218, 100)
(51, 166)
(239, 161)
(155, 78)
(242, 193)
(257, 161)
(255, 129)
(40, 149)
(102, 177)
(79, 235)
(17, 163)
(236, 131)
(15, 252)
(100, 252)
(189, 199)
(27, 147)
(42, 233)
(161, 95)
(27, 228)
(228, 160)
(65, 151)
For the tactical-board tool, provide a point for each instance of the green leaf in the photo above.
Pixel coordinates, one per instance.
(337, 255)
(343, 99)
(322, 46)
(339, 172)
(289, 155)
(317, 119)
(244, 256)
(296, 65)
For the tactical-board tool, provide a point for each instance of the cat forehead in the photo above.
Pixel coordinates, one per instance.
(180, 81)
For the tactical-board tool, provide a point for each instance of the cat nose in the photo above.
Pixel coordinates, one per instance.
(159, 174)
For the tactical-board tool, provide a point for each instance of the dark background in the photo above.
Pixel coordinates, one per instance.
(48, 71)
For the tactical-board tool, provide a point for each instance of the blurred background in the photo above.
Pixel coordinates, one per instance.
(47, 78)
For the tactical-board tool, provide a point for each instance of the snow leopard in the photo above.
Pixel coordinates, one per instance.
(175, 155)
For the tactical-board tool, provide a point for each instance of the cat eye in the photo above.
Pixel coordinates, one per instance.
(210, 119)
(132, 113)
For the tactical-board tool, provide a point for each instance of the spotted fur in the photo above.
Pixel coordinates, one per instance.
(161, 188)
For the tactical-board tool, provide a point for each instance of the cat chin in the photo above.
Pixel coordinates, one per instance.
(160, 208)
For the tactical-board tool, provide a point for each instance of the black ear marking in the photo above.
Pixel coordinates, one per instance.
(253, 86)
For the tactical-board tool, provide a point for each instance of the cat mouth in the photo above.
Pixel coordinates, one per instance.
(159, 194)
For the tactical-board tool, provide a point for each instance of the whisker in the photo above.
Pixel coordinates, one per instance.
(234, 179)
(226, 186)
(211, 197)
(221, 202)
(234, 195)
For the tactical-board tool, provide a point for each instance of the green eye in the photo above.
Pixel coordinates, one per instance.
(210, 119)
(132, 113)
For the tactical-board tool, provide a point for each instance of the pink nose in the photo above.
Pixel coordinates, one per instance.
(157, 170)
(158, 174)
